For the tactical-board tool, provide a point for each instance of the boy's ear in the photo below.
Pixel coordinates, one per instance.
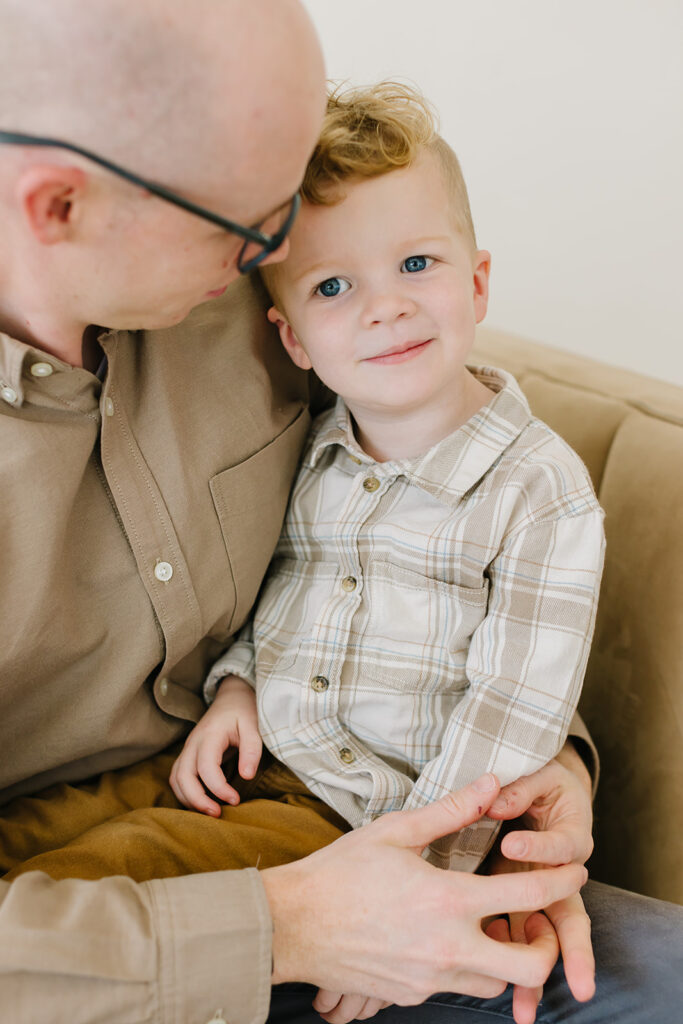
(482, 270)
(289, 339)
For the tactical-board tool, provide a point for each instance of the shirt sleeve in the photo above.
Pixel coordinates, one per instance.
(525, 669)
(238, 660)
(170, 951)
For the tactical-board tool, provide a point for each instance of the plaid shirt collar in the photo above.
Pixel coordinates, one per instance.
(452, 466)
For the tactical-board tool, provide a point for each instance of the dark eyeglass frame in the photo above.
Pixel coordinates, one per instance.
(268, 243)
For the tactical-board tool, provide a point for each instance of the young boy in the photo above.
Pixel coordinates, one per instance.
(428, 612)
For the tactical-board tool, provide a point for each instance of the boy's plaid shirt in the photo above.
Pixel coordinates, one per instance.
(424, 621)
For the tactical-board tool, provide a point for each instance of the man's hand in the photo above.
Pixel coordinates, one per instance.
(554, 805)
(230, 721)
(368, 915)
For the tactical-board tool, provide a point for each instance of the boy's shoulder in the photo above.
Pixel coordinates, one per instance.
(542, 465)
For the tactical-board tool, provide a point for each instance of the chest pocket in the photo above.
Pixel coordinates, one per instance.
(417, 631)
(250, 501)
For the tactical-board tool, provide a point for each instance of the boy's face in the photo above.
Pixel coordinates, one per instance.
(381, 293)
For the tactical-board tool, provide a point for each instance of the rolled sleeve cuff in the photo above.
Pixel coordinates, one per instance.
(238, 661)
(215, 947)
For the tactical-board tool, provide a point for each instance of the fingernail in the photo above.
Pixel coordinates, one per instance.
(517, 847)
(485, 783)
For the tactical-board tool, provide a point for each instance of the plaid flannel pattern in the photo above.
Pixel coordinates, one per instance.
(427, 620)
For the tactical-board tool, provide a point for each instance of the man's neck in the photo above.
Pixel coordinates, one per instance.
(387, 437)
(74, 343)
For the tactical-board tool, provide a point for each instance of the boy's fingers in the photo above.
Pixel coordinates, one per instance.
(524, 1000)
(524, 928)
(325, 1000)
(191, 793)
(417, 829)
(213, 778)
(346, 1010)
(251, 748)
(573, 927)
(498, 929)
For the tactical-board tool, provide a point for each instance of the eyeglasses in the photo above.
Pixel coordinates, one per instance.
(257, 244)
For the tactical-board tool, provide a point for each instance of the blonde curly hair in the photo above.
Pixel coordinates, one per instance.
(369, 131)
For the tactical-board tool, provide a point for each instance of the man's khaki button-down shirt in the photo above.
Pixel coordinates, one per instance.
(137, 518)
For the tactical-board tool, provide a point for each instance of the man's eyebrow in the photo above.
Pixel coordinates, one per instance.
(275, 209)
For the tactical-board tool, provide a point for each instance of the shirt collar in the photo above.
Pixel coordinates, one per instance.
(452, 466)
(23, 366)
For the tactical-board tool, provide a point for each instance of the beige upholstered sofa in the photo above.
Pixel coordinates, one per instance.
(628, 429)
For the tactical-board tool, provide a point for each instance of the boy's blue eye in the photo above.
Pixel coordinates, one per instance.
(331, 287)
(414, 264)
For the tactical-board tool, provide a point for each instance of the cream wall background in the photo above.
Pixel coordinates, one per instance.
(568, 121)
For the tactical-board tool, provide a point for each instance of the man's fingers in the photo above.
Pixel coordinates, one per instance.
(530, 890)
(561, 846)
(573, 927)
(417, 829)
(515, 798)
(480, 986)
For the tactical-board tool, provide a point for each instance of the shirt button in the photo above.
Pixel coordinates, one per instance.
(8, 394)
(163, 571)
(108, 407)
(41, 370)
(319, 684)
(163, 687)
(354, 458)
(349, 583)
(371, 483)
(347, 755)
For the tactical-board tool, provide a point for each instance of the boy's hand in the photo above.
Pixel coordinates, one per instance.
(340, 1009)
(230, 721)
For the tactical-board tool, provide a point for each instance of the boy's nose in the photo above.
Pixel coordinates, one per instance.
(386, 306)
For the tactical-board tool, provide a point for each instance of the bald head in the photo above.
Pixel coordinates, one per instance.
(218, 100)
(165, 86)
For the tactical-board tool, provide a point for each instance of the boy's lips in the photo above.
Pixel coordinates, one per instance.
(400, 353)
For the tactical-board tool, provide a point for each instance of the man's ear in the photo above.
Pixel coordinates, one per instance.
(289, 339)
(482, 270)
(47, 193)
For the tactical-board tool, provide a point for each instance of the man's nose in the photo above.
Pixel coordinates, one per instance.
(384, 305)
(277, 255)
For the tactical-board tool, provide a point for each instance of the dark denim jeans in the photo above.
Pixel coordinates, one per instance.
(638, 946)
